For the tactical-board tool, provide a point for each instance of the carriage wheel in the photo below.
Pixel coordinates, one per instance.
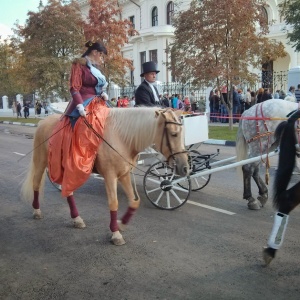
(160, 189)
(57, 186)
(197, 164)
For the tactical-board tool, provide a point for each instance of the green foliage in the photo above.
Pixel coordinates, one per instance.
(104, 23)
(46, 45)
(290, 10)
(217, 42)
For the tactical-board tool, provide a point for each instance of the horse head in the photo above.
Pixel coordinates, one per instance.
(169, 140)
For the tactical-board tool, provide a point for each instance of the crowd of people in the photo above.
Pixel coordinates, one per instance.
(17, 109)
(176, 101)
(218, 101)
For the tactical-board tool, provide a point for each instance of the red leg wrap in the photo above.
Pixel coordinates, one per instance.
(35, 203)
(126, 218)
(113, 221)
(73, 208)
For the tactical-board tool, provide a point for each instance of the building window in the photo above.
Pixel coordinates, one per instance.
(142, 59)
(153, 55)
(170, 12)
(131, 77)
(154, 16)
(265, 14)
(132, 20)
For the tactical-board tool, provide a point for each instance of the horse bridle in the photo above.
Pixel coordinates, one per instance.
(165, 133)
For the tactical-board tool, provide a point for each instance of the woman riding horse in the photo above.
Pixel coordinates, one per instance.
(71, 145)
(73, 136)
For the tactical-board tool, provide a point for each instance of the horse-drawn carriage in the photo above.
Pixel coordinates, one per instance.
(167, 182)
(162, 186)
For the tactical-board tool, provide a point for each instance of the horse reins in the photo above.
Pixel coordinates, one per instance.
(173, 154)
(165, 133)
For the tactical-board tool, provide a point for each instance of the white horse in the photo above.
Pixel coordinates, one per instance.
(255, 137)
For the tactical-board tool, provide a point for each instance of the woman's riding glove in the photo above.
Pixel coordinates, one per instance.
(81, 110)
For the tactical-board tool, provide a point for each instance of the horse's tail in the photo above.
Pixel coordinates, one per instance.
(241, 147)
(27, 187)
(287, 154)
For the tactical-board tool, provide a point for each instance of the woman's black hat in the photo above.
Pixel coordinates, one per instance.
(94, 46)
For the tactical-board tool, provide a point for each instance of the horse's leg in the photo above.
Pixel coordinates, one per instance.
(77, 220)
(262, 188)
(39, 162)
(133, 198)
(111, 190)
(288, 200)
(248, 171)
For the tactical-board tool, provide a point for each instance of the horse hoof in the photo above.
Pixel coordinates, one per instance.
(37, 214)
(253, 205)
(122, 227)
(79, 223)
(263, 199)
(117, 239)
(118, 242)
(268, 255)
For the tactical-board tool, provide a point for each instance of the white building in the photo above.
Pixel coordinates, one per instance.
(152, 19)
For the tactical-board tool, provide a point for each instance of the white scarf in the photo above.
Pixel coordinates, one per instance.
(154, 91)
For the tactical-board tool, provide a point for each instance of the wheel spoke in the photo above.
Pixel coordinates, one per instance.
(153, 180)
(176, 197)
(159, 197)
(176, 187)
(168, 200)
(154, 190)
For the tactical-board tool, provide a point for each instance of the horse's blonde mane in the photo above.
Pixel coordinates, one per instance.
(135, 126)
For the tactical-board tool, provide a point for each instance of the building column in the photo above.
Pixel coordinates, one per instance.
(5, 102)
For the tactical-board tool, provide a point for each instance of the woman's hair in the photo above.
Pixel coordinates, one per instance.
(260, 90)
(94, 46)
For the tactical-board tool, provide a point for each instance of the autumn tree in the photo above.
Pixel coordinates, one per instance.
(290, 10)
(47, 44)
(7, 86)
(105, 24)
(218, 42)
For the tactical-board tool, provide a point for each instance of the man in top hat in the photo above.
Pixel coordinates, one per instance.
(147, 94)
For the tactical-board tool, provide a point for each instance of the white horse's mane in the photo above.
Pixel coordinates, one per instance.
(135, 126)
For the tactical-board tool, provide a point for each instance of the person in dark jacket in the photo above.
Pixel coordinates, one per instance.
(266, 95)
(147, 94)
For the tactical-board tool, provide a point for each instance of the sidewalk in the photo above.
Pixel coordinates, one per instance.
(9, 113)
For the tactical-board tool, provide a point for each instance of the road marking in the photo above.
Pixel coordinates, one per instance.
(97, 176)
(19, 153)
(211, 207)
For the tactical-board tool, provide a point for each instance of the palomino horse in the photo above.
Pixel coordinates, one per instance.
(128, 131)
(255, 137)
(284, 200)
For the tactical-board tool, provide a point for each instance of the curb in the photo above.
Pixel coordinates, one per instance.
(19, 123)
(220, 142)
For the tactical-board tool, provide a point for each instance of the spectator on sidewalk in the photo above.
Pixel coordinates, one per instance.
(19, 109)
(297, 93)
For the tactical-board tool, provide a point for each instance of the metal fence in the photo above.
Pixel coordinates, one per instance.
(266, 79)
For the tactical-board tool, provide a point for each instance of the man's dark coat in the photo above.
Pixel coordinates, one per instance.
(144, 95)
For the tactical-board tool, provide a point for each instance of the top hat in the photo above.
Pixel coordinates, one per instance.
(148, 67)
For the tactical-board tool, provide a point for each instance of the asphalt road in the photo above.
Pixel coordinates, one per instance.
(194, 252)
